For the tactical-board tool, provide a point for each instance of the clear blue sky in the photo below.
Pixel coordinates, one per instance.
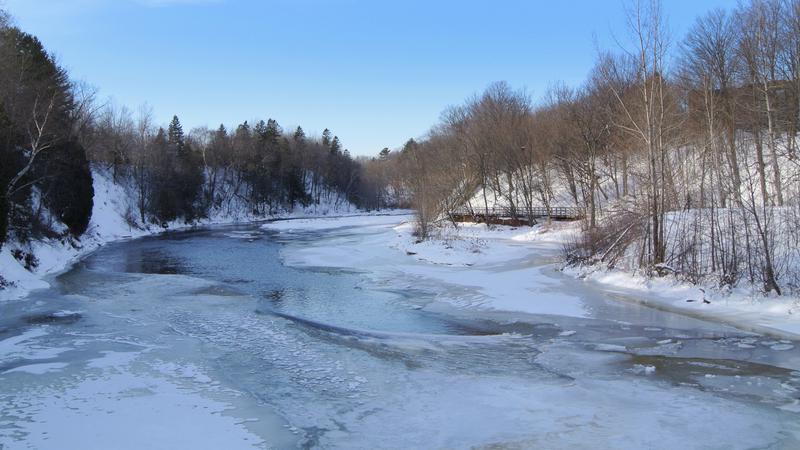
(375, 72)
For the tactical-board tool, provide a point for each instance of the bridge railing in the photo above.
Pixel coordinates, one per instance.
(554, 212)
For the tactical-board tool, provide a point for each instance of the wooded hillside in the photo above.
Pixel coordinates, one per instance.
(682, 150)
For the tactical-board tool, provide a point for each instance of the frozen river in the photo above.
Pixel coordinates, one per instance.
(231, 337)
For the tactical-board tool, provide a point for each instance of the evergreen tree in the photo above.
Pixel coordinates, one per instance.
(33, 86)
(67, 187)
(260, 173)
(176, 138)
(177, 177)
(336, 146)
(163, 204)
(260, 129)
(222, 132)
(326, 137)
(299, 134)
(184, 176)
(6, 170)
(273, 131)
(295, 184)
(216, 159)
(243, 130)
(189, 182)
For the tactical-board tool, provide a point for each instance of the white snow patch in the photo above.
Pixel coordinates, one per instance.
(511, 269)
(782, 347)
(610, 348)
(39, 368)
(114, 218)
(643, 369)
(745, 309)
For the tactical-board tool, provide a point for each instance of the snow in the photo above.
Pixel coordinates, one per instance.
(89, 415)
(643, 369)
(610, 348)
(516, 392)
(113, 219)
(329, 223)
(489, 283)
(516, 269)
(118, 399)
(38, 369)
(25, 347)
(782, 347)
(742, 308)
(485, 250)
(107, 224)
(12, 345)
(13, 272)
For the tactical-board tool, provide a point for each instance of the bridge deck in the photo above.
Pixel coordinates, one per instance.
(519, 215)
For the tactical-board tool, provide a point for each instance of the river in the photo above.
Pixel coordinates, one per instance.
(214, 338)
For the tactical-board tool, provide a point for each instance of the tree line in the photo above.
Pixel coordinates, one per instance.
(54, 133)
(258, 168)
(45, 179)
(684, 155)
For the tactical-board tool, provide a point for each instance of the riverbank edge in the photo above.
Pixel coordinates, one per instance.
(743, 308)
(59, 256)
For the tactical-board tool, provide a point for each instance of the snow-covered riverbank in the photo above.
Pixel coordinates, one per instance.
(112, 221)
(484, 249)
(472, 245)
(407, 347)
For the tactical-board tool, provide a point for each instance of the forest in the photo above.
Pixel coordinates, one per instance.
(54, 132)
(681, 150)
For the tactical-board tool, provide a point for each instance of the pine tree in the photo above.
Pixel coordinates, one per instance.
(299, 134)
(243, 130)
(189, 182)
(336, 146)
(273, 131)
(162, 203)
(326, 137)
(260, 129)
(175, 135)
(222, 133)
(185, 179)
(67, 188)
(33, 152)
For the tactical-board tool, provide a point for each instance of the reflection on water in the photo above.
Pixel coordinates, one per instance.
(62, 318)
(149, 258)
(686, 370)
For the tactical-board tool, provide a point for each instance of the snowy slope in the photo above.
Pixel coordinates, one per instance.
(114, 218)
(477, 246)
